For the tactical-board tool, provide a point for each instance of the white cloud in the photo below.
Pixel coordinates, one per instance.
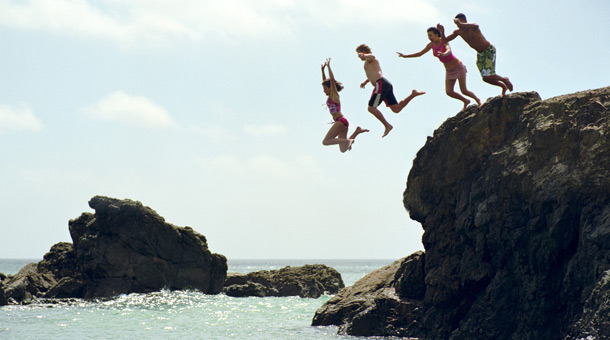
(18, 119)
(159, 22)
(80, 17)
(132, 110)
(265, 130)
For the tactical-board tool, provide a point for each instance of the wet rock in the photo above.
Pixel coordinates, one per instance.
(373, 303)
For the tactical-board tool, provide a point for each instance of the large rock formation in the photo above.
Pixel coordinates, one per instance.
(308, 281)
(372, 304)
(124, 247)
(514, 199)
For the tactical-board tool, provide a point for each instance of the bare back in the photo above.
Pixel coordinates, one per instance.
(372, 69)
(474, 38)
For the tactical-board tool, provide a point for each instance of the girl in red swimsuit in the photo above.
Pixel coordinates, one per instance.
(454, 69)
(337, 134)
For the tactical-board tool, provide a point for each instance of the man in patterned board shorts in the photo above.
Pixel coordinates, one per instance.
(486, 52)
(383, 91)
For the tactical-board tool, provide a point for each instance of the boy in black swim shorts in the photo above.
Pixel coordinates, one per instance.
(383, 88)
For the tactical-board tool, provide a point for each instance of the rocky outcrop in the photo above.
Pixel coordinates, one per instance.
(124, 247)
(373, 303)
(514, 199)
(308, 281)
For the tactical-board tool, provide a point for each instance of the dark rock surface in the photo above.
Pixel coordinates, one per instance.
(364, 308)
(514, 200)
(308, 281)
(124, 247)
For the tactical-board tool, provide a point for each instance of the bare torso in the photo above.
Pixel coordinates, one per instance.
(373, 70)
(474, 38)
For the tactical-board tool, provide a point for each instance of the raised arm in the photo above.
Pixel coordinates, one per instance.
(415, 55)
(323, 74)
(330, 71)
(464, 25)
(334, 94)
(441, 29)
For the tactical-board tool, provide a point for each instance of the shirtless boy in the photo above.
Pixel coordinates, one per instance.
(383, 90)
(486, 52)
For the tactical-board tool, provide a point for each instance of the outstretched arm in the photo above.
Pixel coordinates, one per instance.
(415, 55)
(441, 29)
(451, 36)
(367, 57)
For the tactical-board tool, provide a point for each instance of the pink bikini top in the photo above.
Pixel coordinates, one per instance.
(332, 106)
(437, 50)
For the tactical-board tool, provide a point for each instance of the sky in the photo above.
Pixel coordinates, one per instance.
(212, 113)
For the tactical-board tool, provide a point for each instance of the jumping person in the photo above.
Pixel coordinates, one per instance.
(383, 90)
(337, 134)
(454, 69)
(486, 52)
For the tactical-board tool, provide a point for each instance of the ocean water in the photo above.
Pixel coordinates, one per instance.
(180, 314)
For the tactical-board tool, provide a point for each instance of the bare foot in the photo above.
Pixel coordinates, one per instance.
(387, 130)
(349, 145)
(416, 93)
(359, 130)
(479, 102)
(509, 85)
(465, 105)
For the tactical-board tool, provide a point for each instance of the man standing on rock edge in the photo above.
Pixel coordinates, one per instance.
(486, 52)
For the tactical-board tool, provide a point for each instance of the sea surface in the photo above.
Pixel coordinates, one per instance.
(185, 315)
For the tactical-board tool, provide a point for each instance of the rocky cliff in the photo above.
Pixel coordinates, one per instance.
(124, 247)
(514, 200)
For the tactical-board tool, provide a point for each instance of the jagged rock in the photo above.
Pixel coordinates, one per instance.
(59, 261)
(594, 322)
(363, 309)
(514, 200)
(308, 281)
(28, 283)
(123, 248)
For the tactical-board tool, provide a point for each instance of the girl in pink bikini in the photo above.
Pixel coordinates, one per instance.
(337, 134)
(454, 68)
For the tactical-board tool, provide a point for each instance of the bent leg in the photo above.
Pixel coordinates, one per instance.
(498, 81)
(396, 108)
(335, 131)
(382, 119)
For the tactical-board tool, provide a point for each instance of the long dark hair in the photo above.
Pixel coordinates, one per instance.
(434, 30)
(338, 84)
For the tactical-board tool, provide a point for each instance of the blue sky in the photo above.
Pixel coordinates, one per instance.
(212, 113)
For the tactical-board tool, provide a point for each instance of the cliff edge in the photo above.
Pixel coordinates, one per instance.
(514, 200)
